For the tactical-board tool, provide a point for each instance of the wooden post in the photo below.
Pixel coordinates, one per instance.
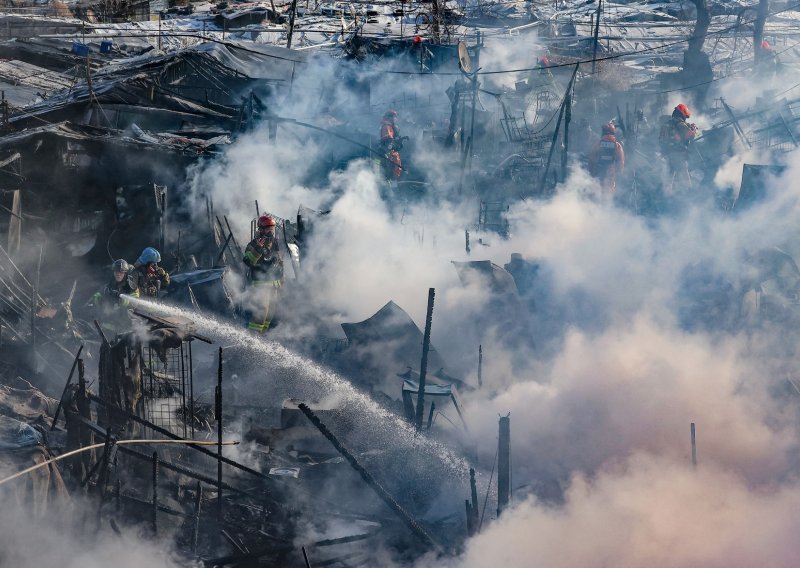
(504, 464)
(15, 224)
(218, 416)
(430, 415)
(291, 25)
(423, 367)
(694, 445)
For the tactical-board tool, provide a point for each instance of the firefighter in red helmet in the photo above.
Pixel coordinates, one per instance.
(766, 61)
(607, 158)
(676, 137)
(262, 256)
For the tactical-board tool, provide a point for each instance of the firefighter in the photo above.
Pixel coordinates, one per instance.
(767, 62)
(111, 303)
(676, 137)
(123, 283)
(391, 144)
(262, 256)
(151, 278)
(607, 158)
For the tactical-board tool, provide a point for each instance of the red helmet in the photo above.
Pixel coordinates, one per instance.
(266, 221)
(609, 128)
(683, 110)
(765, 45)
(390, 114)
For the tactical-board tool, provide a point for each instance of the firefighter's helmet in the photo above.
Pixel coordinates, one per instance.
(120, 265)
(266, 221)
(149, 255)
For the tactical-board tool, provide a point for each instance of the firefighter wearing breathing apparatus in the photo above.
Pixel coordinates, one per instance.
(151, 278)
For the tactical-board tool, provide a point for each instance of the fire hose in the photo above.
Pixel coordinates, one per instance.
(119, 442)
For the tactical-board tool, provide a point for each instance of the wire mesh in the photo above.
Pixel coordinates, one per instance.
(168, 387)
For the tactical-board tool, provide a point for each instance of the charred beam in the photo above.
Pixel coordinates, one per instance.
(423, 367)
(384, 495)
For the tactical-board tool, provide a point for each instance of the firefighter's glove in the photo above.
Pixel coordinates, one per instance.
(277, 284)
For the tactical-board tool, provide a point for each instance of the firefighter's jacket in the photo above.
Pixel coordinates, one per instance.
(677, 136)
(607, 154)
(112, 294)
(264, 260)
(150, 279)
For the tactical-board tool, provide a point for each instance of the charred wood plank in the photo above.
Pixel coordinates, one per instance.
(407, 519)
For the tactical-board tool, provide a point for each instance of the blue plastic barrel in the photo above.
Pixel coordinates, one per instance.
(80, 49)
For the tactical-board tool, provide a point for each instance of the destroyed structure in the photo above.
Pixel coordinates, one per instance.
(112, 110)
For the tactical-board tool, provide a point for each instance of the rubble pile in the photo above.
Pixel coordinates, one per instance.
(207, 393)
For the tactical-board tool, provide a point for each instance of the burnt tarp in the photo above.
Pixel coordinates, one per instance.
(387, 341)
(201, 288)
(504, 308)
(23, 417)
(756, 180)
(254, 60)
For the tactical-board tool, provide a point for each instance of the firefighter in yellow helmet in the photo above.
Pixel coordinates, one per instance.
(262, 256)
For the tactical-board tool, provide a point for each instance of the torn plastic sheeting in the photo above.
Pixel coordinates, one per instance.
(285, 471)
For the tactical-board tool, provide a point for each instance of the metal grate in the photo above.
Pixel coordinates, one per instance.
(167, 389)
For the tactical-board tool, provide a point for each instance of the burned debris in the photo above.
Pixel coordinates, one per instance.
(196, 381)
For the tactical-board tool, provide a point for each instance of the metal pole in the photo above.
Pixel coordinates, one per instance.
(34, 302)
(694, 445)
(480, 366)
(596, 34)
(154, 518)
(191, 389)
(198, 498)
(66, 386)
(423, 367)
(218, 416)
(504, 464)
